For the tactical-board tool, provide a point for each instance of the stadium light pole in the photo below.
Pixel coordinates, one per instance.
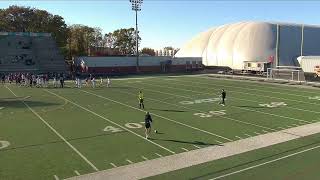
(136, 6)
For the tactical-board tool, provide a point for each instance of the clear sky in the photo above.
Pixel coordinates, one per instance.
(173, 22)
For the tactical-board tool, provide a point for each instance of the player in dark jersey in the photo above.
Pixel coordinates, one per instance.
(147, 123)
(223, 97)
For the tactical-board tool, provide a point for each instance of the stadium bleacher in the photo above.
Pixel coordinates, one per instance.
(29, 52)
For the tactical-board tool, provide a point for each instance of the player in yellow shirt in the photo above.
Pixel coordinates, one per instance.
(141, 100)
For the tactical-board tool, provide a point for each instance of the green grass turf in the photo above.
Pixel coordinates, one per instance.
(81, 115)
(297, 167)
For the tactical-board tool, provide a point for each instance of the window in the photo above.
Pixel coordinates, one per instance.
(249, 64)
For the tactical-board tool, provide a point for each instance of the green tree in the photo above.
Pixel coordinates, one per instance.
(148, 51)
(26, 19)
(123, 40)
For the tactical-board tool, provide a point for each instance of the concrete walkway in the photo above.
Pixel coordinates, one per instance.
(182, 160)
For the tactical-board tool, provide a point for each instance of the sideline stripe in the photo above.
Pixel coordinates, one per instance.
(57, 133)
(102, 117)
(56, 177)
(113, 165)
(77, 173)
(268, 162)
(177, 122)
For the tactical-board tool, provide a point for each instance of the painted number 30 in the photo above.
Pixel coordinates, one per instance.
(210, 114)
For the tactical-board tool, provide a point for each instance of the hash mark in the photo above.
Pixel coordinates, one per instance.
(185, 149)
(77, 173)
(197, 146)
(144, 158)
(113, 165)
(129, 161)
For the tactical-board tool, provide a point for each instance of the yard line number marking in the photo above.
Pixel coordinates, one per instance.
(273, 104)
(4, 144)
(128, 125)
(211, 113)
(199, 101)
(315, 98)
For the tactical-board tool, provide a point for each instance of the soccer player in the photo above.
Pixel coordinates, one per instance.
(141, 100)
(147, 123)
(223, 97)
(108, 82)
(93, 81)
(101, 81)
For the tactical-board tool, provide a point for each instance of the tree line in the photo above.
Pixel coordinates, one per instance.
(73, 40)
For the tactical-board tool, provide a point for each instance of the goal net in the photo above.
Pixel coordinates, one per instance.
(290, 73)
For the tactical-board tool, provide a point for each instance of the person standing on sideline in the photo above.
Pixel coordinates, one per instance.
(93, 81)
(140, 96)
(108, 82)
(147, 123)
(61, 80)
(101, 81)
(223, 97)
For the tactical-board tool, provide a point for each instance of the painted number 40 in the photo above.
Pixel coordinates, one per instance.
(210, 114)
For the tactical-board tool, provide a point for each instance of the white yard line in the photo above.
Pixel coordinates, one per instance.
(1, 108)
(102, 117)
(128, 160)
(241, 98)
(247, 135)
(56, 177)
(203, 155)
(113, 165)
(257, 133)
(77, 172)
(219, 142)
(185, 149)
(197, 110)
(158, 154)
(238, 137)
(265, 131)
(268, 162)
(177, 122)
(197, 146)
(260, 95)
(144, 158)
(57, 133)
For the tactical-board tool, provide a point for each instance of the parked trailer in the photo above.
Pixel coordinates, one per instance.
(310, 64)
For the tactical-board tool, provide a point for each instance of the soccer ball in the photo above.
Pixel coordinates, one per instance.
(155, 131)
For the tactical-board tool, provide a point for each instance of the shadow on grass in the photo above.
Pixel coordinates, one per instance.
(167, 110)
(17, 103)
(60, 141)
(255, 161)
(187, 142)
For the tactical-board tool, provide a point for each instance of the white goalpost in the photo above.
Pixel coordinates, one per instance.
(290, 73)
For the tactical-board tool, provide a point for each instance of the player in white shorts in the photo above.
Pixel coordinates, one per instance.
(108, 82)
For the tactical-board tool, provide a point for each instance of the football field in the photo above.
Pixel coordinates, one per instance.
(53, 133)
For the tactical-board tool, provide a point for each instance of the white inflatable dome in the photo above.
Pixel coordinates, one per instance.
(232, 44)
